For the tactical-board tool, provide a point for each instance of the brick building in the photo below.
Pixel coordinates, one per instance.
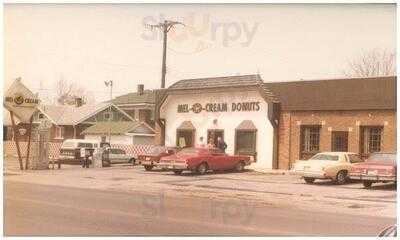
(356, 115)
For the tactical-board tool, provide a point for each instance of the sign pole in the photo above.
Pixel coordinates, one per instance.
(29, 143)
(21, 166)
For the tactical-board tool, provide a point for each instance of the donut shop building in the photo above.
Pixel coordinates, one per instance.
(280, 122)
(239, 109)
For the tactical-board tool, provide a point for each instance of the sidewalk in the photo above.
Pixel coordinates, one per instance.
(269, 171)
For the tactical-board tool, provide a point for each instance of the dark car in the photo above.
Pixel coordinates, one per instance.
(379, 167)
(152, 157)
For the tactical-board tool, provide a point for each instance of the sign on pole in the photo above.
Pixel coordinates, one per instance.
(22, 103)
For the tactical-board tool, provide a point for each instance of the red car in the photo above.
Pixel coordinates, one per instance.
(379, 167)
(200, 160)
(151, 158)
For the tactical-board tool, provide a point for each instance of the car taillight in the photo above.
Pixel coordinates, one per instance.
(356, 170)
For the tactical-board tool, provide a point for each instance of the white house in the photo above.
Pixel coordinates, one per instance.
(123, 132)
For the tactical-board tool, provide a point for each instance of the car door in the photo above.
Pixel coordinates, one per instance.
(351, 159)
(113, 155)
(218, 159)
(123, 156)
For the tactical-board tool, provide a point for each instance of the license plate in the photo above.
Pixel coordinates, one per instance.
(372, 172)
(147, 158)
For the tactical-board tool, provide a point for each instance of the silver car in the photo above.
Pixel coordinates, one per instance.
(120, 156)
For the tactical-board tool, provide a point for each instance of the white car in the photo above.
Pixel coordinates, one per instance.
(327, 165)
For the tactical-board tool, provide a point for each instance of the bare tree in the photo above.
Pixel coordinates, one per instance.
(373, 63)
(68, 92)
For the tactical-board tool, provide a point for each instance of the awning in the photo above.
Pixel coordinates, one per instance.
(246, 125)
(186, 125)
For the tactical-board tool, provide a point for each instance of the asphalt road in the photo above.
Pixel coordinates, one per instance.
(32, 209)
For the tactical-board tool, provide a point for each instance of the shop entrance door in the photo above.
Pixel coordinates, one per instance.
(245, 143)
(339, 141)
(213, 134)
(184, 138)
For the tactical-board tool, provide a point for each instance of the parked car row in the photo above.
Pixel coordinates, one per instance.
(336, 166)
(71, 152)
(197, 160)
(342, 166)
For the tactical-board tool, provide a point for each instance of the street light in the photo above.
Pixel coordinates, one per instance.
(109, 84)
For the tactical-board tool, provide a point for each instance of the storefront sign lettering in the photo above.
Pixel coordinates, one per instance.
(219, 107)
(19, 99)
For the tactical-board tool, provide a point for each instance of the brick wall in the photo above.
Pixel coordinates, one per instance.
(350, 121)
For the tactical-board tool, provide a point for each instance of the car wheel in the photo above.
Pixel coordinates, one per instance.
(148, 167)
(367, 184)
(341, 177)
(202, 169)
(132, 160)
(309, 180)
(239, 167)
(178, 172)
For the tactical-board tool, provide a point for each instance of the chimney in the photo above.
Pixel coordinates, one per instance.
(140, 89)
(78, 101)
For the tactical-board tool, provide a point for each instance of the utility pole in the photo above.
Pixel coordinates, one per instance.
(165, 27)
(109, 84)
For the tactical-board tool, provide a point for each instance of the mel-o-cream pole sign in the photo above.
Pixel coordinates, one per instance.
(21, 101)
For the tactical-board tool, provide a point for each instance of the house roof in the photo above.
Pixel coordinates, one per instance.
(115, 128)
(216, 82)
(148, 96)
(337, 94)
(238, 81)
(71, 115)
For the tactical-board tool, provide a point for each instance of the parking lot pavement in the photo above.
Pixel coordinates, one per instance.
(275, 190)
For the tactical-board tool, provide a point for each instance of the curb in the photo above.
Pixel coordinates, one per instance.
(10, 173)
(272, 172)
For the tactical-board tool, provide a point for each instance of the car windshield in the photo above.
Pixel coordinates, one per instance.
(327, 157)
(382, 157)
(156, 150)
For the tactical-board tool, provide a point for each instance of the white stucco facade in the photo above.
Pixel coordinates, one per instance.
(226, 120)
(115, 139)
(123, 139)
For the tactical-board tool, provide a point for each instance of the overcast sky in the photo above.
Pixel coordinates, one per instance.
(91, 43)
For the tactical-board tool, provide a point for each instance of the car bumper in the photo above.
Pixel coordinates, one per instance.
(173, 166)
(66, 157)
(376, 178)
(147, 162)
(311, 174)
